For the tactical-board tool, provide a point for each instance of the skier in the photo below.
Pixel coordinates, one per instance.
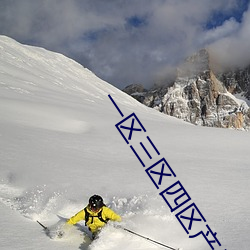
(95, 214)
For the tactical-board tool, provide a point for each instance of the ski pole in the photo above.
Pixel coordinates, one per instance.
(146, 238)
(45, 228)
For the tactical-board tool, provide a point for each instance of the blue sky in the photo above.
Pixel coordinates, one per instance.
(218, 17)
(131, 41)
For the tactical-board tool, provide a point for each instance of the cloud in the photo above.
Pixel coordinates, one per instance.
(233, 48)
(126, 42)
(228, 28)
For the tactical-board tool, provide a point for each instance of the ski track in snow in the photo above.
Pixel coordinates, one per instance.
(38, 204)
(143, 214)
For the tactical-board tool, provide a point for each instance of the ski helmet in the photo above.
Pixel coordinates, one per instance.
(96, 202)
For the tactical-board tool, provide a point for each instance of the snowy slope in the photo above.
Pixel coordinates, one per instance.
(59, 145)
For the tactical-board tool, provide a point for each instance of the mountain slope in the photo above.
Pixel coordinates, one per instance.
(59, 145)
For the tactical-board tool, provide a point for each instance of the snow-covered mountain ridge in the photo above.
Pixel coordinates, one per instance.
(201, 95)
(59, 145)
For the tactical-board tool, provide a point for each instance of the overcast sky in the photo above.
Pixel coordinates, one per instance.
(131, 41)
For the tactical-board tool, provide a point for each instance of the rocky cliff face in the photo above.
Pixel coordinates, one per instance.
(237, 81)
(200, 96)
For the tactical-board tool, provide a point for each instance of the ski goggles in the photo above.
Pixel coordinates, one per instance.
(94, 208)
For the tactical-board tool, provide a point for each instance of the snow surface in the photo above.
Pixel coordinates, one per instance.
(59, 145)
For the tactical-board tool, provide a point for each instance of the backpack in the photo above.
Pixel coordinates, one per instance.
(88, 216)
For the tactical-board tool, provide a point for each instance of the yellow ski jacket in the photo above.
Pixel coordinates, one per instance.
(94, 223)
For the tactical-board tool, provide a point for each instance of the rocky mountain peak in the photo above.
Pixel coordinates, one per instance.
(200, 96)
(196, 64)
